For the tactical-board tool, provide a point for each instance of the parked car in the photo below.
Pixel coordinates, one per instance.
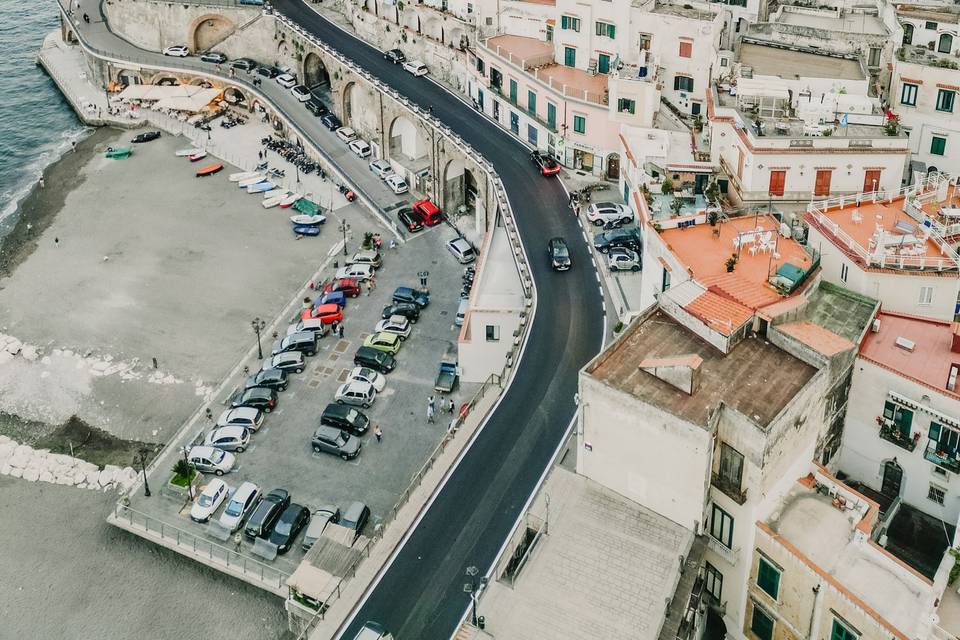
(328, 313)
(316, 107)
(359, 272)
(331, 122)
(409, 294)
(266, 513)
(308, 323)
(629, 238)
(462, 250)
(367, 256)
(228, 439)
(355, 517)
(332, 297)
(332, 440)
(547, 165)
(415, 67)
(287, 361)
(286, 80)
(241, 505)
(395, 56)
(293, 519)
(373, 631)
(247, 417)
(303, 341)
(428, 212)
(383, 341)
(213, 56)
(258, 398)
(318, 522)
(211, 460)
(267, 71)
(408, 310)
(360, 147)
(364, 374)
(244, 64)
(559, 254)
(397, 184)
(395, 324)
(623, 259)
(361, 394)
(346, 134)
(147, 136)
(409, 219)
(600, 213)
(301, 93)
(381, 167)
(209, 500)
(271, 378)
(345, 417)
(348, 286)
(177, 51)
(375, 359)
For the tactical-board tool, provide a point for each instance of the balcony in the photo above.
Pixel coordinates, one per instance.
(943, 459)
(729, 488)
(891, 433)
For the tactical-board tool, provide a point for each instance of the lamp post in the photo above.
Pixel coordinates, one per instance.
(472, 588)
(423, 279)
(344, 227)
(258, 326)
(142, 459)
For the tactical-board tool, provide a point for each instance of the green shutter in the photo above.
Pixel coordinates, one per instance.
(938, 145)
(768, 579)
(889, 410)
(761, 624)
(611, 31)
(840, 632)
(934, 432)
(903, 419)
(564, 22)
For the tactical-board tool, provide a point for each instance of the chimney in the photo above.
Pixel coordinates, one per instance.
(682, 372)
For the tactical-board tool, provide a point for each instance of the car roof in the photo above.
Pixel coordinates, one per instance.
(335, 409)
(353, 511)
(291, 511)
(244, 490)
(272, 373)
(327, 307)
(242, 412)
(397, 318)
(288, 356)
(327, 431)
(231, 430)
(387, 336)
(202, 450)
(258, 391)
(214, 485)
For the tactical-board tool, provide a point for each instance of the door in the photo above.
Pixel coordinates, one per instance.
(613, 167)
(570, 56)
(515, 123)
(892, 478)
(871, 180)
(552, 115)
(603, 63)
(822, 185)
(777, 180)
(496, 111)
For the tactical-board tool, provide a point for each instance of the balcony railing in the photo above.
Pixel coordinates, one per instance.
(731, 489)
(943, 459)
(892, 433)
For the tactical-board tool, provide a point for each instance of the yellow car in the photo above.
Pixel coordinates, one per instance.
(383, 341)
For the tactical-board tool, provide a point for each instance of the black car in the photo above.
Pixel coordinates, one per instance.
(559, 254)
(258, 398)
(271, 379)
(409, 219)
(375, 359)
(408, 310)
(271, 506)
(345, 417)
(355, 517)
(146, 137)
(395, 56)
(412, 296)
(244, 64)
(629, 238)
(331, 122)
(303, 341)
(316, 107)
(293, 519)
(547, 165)
(213, 56)
(268, 72)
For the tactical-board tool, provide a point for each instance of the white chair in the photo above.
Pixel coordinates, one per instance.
(856, 217)
(753, 250)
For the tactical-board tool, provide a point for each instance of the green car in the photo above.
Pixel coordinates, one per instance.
(383, 341)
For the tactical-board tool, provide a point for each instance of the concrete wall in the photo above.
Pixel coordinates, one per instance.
(480, 357)
(153, 25)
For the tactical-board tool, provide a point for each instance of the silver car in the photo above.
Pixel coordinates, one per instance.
(248, 418)
(241, 505)
(228, 439)
(356, 393)
(623, 259)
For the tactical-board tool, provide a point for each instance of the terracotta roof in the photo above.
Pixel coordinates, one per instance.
(719, 313)
(816, 337)
(748, 292)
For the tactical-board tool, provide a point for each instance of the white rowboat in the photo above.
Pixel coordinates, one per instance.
(254, 179)
(271, 200)
(243, 175)
(183, 153)
(289, 200)
(305, 219)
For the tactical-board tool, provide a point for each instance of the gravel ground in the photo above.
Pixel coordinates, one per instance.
(73, 576)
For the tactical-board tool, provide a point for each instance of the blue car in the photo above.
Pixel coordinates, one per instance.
(409, 294)
(334, 297)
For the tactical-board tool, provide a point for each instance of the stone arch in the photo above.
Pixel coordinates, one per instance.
(166, 78)
(129, 76)
(314, 71)
(235, 96)
(458, 38)
(283, 49)
(350, 95)
(209, 30)
(200, 81)
(407, 144)
(460, 187)
(613, 166)
(433, 28)
(411, 20)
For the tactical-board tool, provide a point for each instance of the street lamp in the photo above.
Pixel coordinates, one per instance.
(344, 227)
(423, 279)
(258, 326)
(142, 459)
(472, 588)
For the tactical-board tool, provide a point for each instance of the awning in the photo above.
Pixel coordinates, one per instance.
(193, 103)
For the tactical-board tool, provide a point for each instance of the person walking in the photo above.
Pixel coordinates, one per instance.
(340, 330)
(335, 328)
(432, 402)
(450, 406)
(378, 433)
(430, 413)
(236, 542)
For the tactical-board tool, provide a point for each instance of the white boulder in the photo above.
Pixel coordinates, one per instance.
(29, 352)
(46, 476)
(107, 476)
(13, 347)
(92, 477)
(31, 473)
(16, 472)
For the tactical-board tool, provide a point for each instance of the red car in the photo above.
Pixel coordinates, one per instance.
(348, 286)
(428, 212)
(328, 313)
(547, 165)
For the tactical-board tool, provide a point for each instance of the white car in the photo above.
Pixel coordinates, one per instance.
(396, 183)
(242, 504)
(623, 259)
(359, 271)
(382, 168)
(357, 393)
(286, 80)
(301, 93)
(228, 439)
(415, 67)
(368, 375)
(395, 324)
(246, 417)
(346, 134)
(360, 147)
(209, 500)
(178, 51)
(600, 213)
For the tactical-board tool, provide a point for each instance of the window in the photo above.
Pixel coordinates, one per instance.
(926, 295)
(768, 578)
(936, 494)
(932, 26)
(606, 29)
(761, 624)
(873, 58)
(549, 33)
(569, 23)
(686, 49)
(721, 526)
(493, 333)
(723, 62)
(777, 181)
(938, 145)
(945, 100)
(713, 581)
(731, 467)
(570, 56)
(683, 83)
(907, 34)
(579, 124)
(489, 22)
(901, 417)
(626, 106)
(603, 63)
(945, 44)
(644, 41)
(943, 441)
(908, 94)
(532, 134)
(531, 102)
(552, 115)
(665, 281)
(844, 272)
(469, 7)
(481, 67)
(841, 631)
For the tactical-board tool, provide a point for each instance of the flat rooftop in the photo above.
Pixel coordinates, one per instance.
(683, 10)
(930, 361)
(921, 55)
(606, 569)
(756, 378)
(843, 312)
(847, 23)
(789, 64)
(498, 283)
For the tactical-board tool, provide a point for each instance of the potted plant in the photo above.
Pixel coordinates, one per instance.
(731, 263)
(367, 243)
(712, 218)
(676, 205)
(667, 186)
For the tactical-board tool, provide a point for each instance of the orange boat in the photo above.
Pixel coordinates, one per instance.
(209, 170)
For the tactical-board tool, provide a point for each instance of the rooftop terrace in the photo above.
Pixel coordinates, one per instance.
(831, 20)
(917, 54)
(768, 60)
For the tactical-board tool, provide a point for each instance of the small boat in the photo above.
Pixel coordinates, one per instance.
(272, 200)
(119, 154)
(254, 179)
(243, 175)
(185, 153)
(276, 193)
(198, 156)
(209, 170)
(301, 219)
(261, 187)
(287, 202)
(145, 137)
(306, 229)
(306, 207)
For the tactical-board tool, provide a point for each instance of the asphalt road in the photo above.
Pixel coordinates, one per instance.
(421, 595)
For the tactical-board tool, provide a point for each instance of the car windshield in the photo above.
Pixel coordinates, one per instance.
(205, 500)
(235, 508)
(352, 415)
(342, 438)
(560, 250)
(217, 456)
(284, 527)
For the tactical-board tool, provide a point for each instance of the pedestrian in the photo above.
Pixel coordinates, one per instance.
(369, 287)
(231, 72)
(236, 542)
(340, 330)
(335, 327)
(450, 406)
(432, 403)
(56, 242)
(373, 282)
(41, 182)
(570, 199)
(576, 210)
(377, 432)
(393, 244)
(74, 145)
(430, 413)
(209, 415)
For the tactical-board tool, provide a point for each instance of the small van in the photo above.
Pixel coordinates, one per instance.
(303, 341)
(462, 312)
(360, 147)
(375, 359)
